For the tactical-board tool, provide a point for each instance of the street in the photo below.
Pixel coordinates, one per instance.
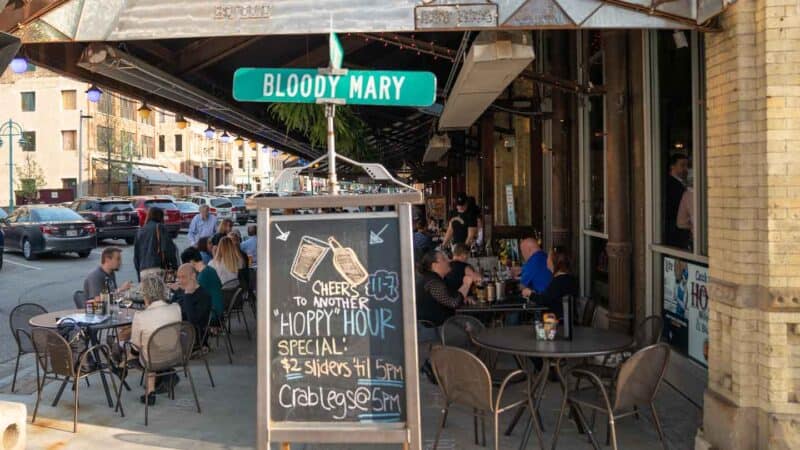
(52, 279)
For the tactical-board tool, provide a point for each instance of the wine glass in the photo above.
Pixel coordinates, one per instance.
(126, 303)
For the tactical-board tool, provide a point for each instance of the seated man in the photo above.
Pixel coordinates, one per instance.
(458, 268)
(104, 277)
(195, 302)
(207, 278)
(250, 245)
(535, 275)
(156, 314)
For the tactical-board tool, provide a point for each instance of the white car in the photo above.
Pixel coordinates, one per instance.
(219, 206)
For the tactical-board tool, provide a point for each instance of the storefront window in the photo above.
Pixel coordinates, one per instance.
(596, 215)
(675, 146)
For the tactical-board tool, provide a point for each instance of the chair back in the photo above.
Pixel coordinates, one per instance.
(165, 348)
(640, 375)
(456, 331)
(19, 320)
(188, 337)
(79, 298)
(53, 352)
(648, 332)
(587, 315)
(462, 377)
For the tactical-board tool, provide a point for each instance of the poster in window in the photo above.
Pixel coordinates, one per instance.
(686, 308)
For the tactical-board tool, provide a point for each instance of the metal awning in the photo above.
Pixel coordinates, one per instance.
(165, 177)
(119, 20)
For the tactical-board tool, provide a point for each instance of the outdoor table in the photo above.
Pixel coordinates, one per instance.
(50, 320)
(521, 342)
(504, 307)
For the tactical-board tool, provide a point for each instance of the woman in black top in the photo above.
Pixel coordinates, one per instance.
(563, 284)
(435, 303)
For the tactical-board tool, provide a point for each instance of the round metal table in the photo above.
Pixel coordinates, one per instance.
(521, 342)
(50, 320)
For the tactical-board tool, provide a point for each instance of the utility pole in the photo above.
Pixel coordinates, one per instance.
(79, 187)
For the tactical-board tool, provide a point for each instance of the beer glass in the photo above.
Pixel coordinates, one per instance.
(310, 253)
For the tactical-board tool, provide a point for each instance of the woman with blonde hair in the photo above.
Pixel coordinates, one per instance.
(227, 260)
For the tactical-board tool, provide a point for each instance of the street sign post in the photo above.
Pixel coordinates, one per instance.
(336, 51)
(356, 87)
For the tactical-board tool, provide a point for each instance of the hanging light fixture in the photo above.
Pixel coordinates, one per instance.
(209, 132)
(275, 153)
(181, 122)
(238, 141)
(405, 171)
(144, 111)
(93, 94)
(19, 65)
(253, 144)
(225, 137)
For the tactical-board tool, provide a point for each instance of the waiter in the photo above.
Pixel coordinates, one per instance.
(463, 225)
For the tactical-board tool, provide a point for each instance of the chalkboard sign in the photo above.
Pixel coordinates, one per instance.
(340, 320)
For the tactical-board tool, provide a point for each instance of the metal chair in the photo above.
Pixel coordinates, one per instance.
(464, 380)
(168, 348)
(456, 330)
(19, 320)
(200, 348)
(79, 298)
(635, 384)
(587, 316)
(56, 358)
(230, 294)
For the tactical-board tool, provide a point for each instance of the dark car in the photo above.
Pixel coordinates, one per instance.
(239, 210)
(188, 211)
(253, 213)
(37, 229)
(114, 218)
(172, 215)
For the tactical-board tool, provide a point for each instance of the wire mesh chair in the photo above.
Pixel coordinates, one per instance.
(56, 358)
(200, 349)
(19, 321)
(465, 381)
(230, 293)
(635, 384)
(456, 331)
(587, 316)
(168, 348)
(79, 299)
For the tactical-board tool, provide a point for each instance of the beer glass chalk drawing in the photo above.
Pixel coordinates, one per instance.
(309, 254)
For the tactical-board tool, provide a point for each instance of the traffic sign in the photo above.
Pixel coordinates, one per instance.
(357, 87)
(336, 51)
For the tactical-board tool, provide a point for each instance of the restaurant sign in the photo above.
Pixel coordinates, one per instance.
(357, 87)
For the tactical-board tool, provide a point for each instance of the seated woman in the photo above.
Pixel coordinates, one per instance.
(435, 303)
(563, 283)
(227, 260)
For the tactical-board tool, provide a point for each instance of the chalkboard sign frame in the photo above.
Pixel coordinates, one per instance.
(407, 433)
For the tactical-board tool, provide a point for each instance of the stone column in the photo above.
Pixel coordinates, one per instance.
(753, 122)
(617, 181)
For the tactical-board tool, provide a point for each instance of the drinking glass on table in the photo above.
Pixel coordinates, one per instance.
(126, 303)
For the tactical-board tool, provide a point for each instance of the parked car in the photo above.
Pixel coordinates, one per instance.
(240, 214)
(253, 213)
(113, 217)
(219, 206)
(172, 215)
(37, 229)
(188, 211)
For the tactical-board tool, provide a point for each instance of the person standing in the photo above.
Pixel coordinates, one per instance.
(203, 226)
(535, 275)
(463, 226)
(104, 276)
(154, 252)
(674, 190)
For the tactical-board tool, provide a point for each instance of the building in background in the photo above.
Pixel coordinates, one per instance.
(147, 155)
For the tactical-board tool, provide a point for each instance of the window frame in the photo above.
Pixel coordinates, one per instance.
(74, 140)
(22, 96)
(178, 143)
(74, 94)
(30, 144)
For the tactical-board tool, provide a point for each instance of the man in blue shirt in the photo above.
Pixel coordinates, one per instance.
(250, 246)
(203, 225)
(535, 275)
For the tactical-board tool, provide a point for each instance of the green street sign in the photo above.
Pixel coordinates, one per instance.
(357, 87)
(336, 51)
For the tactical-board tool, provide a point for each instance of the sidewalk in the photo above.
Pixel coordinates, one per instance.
(229, 410)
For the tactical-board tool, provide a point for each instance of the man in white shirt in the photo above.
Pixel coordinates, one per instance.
(203, 225)
(156, 314)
